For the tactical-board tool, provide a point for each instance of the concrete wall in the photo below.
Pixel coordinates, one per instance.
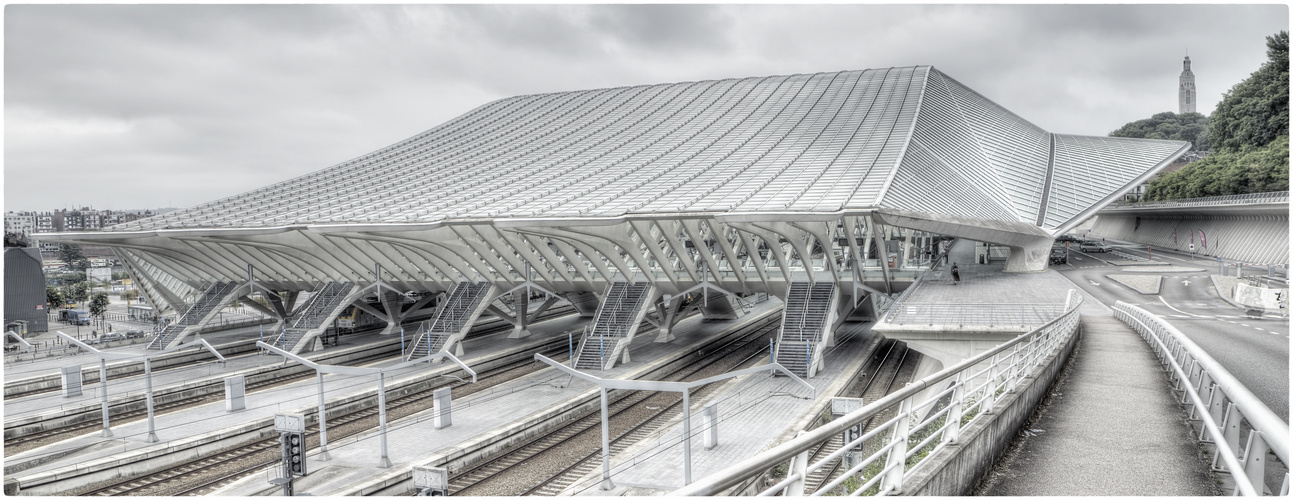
(955, 469)
(1256, 239)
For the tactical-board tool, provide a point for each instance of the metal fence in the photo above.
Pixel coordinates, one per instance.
(1234, 199)
(1020, 315)
(899, 444)
(1221, 408)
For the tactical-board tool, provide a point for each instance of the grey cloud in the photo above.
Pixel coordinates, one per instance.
(186, 104)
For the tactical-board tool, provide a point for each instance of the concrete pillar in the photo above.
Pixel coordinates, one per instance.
(521, 307)
(710, 413)
(1031, 257)
(443, 407)
(235, 393)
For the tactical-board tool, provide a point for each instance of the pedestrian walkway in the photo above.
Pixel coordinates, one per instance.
(1110, 428)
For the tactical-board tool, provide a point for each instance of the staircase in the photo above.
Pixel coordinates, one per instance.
(807, 315)
(617, 320)
(466, 302)
(203, 309)
(324, 306)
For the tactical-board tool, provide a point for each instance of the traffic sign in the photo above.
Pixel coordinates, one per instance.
(289, 422)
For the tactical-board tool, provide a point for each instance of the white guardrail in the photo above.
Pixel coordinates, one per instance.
(1233, 199)
(900, 441)
(1221, 405)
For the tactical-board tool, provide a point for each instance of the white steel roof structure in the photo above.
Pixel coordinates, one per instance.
(579, 185)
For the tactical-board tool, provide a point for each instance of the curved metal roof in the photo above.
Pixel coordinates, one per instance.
(902, 138)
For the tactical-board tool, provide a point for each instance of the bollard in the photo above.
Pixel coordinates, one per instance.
(710, 413)
(71, 381)
(235, 393)
(442, 407)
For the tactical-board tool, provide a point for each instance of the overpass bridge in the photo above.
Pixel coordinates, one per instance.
(1251, 228)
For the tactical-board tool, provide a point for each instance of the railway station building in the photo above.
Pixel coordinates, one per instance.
(831, 191)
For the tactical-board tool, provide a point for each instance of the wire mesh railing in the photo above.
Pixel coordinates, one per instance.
(985, 314)
(1235, 199)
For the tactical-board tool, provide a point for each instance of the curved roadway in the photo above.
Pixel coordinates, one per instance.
(1256, 351)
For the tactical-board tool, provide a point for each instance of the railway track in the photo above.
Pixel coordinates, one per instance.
(41, 438)
(632, 417)
(208, 474)
(898, 365)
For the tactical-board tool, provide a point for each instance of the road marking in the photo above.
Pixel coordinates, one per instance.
(1186, 282)
(1258, 329)
(1180, 311)
(1243, 324)
(1094, 283)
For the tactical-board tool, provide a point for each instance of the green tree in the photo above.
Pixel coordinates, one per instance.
(55, 297)
(76, 292)
(1256, 111)
(71, 278)
(99, 305)
(71, 255)
(1250, 170)
(129, 295)
(1190, 127)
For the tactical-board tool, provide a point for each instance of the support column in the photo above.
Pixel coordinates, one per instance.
(103, 390)
(606, 446)
(521, 328)
(667, 311)
(323, 422)
(148, 389)
(686, 435)
(385, 461)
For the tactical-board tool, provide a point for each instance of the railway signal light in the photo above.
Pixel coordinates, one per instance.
(294, 452)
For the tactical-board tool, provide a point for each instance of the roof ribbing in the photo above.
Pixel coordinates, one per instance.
(801, 143)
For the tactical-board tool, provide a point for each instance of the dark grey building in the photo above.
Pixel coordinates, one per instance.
(24, 288)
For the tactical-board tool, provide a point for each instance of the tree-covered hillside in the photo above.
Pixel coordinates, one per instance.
(1248, 133)
(1191, 127)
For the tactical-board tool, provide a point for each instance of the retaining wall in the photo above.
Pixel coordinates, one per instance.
(1256, 239)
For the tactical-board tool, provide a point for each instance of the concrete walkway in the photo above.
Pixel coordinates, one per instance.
(1109, 427)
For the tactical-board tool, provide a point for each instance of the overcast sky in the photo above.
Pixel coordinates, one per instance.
(145, 106)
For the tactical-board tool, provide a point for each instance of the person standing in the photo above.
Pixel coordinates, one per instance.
(956, 274)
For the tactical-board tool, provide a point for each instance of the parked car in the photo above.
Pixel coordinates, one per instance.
(1059, 256)
(1094, 246)
(134, 333)
(1066, 237)
(109, 337)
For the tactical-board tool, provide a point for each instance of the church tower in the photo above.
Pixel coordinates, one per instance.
(1187, 98)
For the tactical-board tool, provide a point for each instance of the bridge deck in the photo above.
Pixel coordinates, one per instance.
(1109, 427)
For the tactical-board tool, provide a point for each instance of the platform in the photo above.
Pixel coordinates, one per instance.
(211, 419)
(481, 417)
(755, 412)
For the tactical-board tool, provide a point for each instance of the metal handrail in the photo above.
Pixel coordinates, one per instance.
(975, 388)
(1233, 199)
(1199, 376)
(897, 303)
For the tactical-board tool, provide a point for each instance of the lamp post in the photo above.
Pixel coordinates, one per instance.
(653, 385)
(384, 461)
(148, 376)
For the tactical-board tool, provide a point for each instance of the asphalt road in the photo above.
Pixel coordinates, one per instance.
(1255, 351)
